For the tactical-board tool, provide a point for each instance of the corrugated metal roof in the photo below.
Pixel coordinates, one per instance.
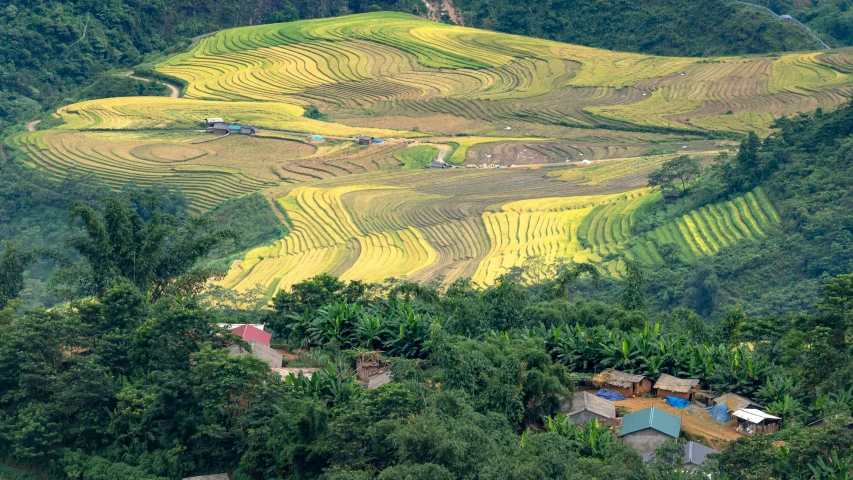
(754, 415)
(696, 453)
(587, 401)
(653, 418)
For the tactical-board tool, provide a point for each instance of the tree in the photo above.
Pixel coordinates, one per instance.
(568, 275)
(634, 294)
(684, 168)
(12, 265)
(142, 246)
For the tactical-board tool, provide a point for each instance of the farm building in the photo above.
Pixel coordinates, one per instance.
(218, 476)
(438, 165)
(753, 420)
(259, 350)
(669, 386)
(365, 140)
(695, 454)
(248, 129)
(624, 384)
(219, 127)
(647, 429)
(209, 122)
(249, 332)
(586, 406)
(372, 369)
(734, 402)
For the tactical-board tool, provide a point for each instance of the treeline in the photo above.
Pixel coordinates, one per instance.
(669, 27)
(50, 49)
(133, 381)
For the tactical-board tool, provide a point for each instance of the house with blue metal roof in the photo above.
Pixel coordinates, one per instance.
(647, 429)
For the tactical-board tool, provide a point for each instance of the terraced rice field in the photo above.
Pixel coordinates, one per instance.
(371, 212)
(705, 231)
(395, 64)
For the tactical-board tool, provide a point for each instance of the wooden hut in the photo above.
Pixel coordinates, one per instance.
(753, 420)
(586, 406)
(365, 140)
(669, 386)
(372, 369)
(624, 384)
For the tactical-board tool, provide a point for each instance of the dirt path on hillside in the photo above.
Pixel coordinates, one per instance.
(31, 127)
(455, 17)
(443, 149)
(700, 423)
(176, 92)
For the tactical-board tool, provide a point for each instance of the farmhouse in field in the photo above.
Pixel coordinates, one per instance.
(209, 122)
(624, 384)
(438, 164)
(647, 429)
(669, 386)
(753, 420)
(248, 129)
(695, 454)
(365, 140)
(586, 406)
(218, 127)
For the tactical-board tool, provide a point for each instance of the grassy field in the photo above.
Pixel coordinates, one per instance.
(582, 126)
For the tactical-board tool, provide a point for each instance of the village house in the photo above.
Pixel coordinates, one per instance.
(438, 164)
(586, 406)
(647, 429)
(259, 345)
(669, 386)
(365, 140)
(624, 384)
(370, 368)
(695, 454)
(752, 420)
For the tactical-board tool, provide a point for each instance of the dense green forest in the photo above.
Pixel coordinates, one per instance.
(131, 380)
(669, 27)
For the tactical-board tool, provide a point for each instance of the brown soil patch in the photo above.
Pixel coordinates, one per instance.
(700, 423)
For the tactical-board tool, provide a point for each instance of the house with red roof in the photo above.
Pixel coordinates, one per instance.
(249, 333)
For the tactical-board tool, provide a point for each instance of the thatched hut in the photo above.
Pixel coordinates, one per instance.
(624, 384)
(669, 386)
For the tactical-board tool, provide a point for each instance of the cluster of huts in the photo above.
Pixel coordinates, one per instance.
(647, 429)
(218, 126)
(371, 369)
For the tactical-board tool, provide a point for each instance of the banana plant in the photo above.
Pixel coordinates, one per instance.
(619, 355)
(592, 439)
(370, 330)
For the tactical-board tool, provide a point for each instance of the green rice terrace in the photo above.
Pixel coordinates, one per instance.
(552, 144)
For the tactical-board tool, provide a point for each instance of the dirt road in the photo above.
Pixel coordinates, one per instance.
(31, 127)
(176, 92)
(700, 423)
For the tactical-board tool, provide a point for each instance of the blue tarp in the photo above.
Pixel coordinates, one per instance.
(720, 413)
(316, 138)
(378, 140)
(609, 395)
(677, 402)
